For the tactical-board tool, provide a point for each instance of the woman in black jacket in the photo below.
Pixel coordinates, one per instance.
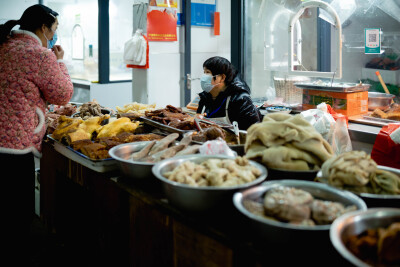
(225, 96)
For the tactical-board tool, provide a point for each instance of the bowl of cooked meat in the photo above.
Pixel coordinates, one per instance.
(203, 183)
(379, 100)
(136, 159)
(294, 211)
(357, 172)
(368, 237)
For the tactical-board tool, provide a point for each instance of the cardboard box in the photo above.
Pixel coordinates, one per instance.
(350, 104)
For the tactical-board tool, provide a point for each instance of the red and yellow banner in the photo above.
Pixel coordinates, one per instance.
(161, 25)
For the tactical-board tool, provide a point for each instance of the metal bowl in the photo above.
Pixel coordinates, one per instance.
(199, 199)
(281, 232)
(355, 223)
(379, 100)
(377, 200)
(130, 168)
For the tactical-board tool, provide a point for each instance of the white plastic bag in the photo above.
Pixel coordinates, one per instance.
(334, 132)
(322, 121)
(216, 147)
(135, 50)
(341, 139)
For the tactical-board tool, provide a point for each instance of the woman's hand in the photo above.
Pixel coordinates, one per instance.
(200, 116)
(58, 51)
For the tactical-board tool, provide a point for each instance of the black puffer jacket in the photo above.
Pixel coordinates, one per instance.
(240, 109)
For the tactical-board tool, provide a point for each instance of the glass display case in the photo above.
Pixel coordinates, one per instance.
(268, 50)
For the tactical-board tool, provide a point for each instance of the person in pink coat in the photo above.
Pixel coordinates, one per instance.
(32, 74)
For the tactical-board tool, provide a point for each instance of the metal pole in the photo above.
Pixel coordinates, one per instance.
(104, 42)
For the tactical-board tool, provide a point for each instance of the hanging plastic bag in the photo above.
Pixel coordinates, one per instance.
(386, 149)
(136, 51)
(336, 115)
(341, 139)
(322, 121)
(331, 125)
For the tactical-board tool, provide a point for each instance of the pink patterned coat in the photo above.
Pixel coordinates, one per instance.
(29, 76)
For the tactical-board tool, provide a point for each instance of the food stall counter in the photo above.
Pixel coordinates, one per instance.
(120, 221)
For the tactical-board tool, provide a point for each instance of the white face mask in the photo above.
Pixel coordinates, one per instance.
(205, 82)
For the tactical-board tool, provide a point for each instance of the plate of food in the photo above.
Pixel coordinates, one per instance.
(278, 109)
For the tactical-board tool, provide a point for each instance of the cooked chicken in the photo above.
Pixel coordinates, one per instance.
(65, 126)
(86, 128)
(116, 127)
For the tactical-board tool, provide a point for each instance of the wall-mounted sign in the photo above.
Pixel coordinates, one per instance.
(202, 12)
(372, 41)
(164, 3)
(161, 24)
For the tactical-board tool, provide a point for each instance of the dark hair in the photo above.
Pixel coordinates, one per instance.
(220, 65)
(32, 19)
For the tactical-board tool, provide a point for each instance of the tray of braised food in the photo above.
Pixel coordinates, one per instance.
(174, 120)
(385, 116)
(90, 139)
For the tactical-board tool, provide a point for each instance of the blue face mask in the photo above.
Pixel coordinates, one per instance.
(52, 42)
(205, 82)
